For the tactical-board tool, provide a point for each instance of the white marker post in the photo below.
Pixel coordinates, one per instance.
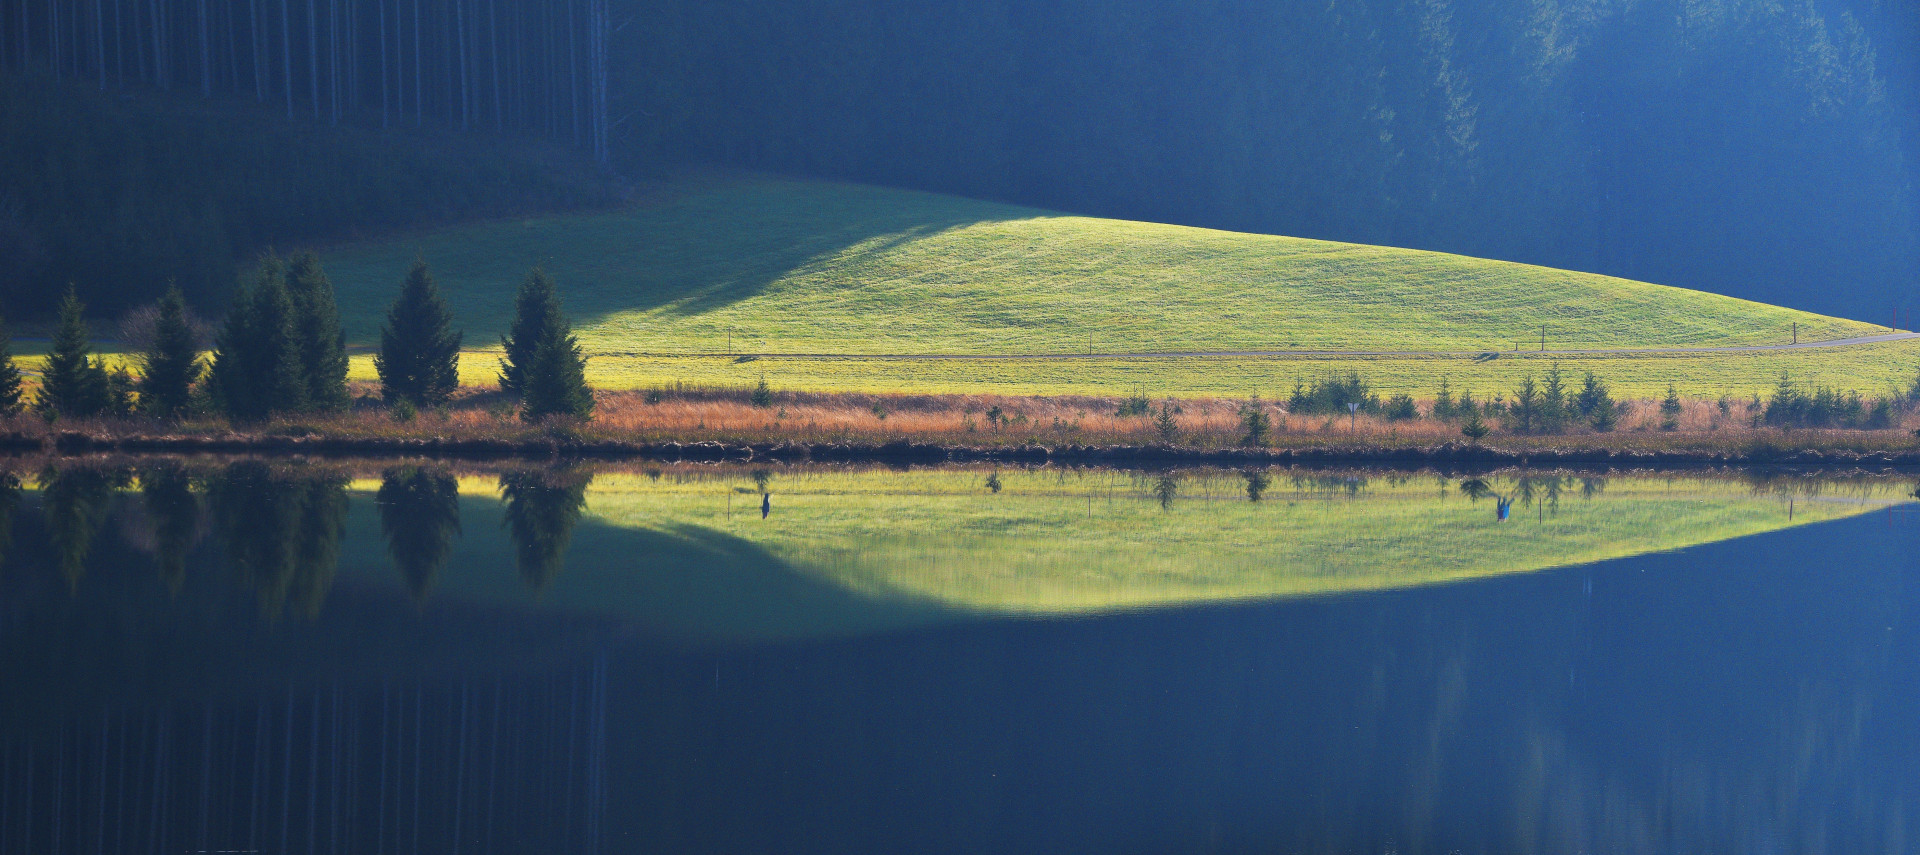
(1353, 416)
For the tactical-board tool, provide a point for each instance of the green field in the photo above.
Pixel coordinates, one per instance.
(733, 265)
(850, 551)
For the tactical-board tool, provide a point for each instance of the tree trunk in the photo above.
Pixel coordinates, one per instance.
(418, 111)
(333, 61)
(206, 55)
(573, 70)
(493, 48)
(460, 40)
(258, 54)
(385, 120)
(313, 56)
(286, 52)
(161, 75)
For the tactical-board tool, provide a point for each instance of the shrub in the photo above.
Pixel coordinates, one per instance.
(762, 396)
(1475, 428)
(1670, 410)
(1400, 407)
(1443, 406)
(1604, 417)
(1592, 395)
(1331, 394)
(1553, 401)
(1135, 404)
(1255, 422)
(1526, 407)
(1165, 425)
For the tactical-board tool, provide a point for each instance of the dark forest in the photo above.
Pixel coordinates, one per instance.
(1751, 147)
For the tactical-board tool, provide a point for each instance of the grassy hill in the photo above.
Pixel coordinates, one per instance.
(727, 265)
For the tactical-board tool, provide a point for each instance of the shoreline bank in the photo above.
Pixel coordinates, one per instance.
(903, 451)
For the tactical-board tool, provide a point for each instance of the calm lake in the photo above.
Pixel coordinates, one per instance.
(276, 657)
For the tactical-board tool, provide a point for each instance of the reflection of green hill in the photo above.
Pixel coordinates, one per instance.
(852, 552)
(684, 580)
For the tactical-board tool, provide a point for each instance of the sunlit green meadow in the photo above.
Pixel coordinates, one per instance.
(746, 264)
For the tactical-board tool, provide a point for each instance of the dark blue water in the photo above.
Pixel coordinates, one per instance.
(1753, 695)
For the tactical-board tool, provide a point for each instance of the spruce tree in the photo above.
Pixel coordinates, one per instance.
(171, 364)
(557, 381)
(11, 396)
(535, 309)
(74, 385)
(419, 353)
(256, 362)
(319, 339)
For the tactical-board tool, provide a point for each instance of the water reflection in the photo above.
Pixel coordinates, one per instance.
(75, 499)
(578, 660)
(283, 527)
(542, 508)
(420, 515)
(173, 512)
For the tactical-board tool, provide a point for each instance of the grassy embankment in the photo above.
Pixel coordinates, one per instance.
(847, 551)
(674, 289)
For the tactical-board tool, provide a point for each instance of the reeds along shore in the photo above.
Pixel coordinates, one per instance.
(484, 419)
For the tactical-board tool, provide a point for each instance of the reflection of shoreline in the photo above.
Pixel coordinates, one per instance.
(1611, 452)
(686, 551)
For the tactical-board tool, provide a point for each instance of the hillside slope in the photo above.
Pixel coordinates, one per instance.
(758, 265)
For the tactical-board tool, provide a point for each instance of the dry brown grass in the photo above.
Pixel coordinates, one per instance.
(692, 415)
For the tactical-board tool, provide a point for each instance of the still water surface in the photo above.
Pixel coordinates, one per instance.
(333, 658)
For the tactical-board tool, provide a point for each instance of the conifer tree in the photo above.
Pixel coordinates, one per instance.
(171, 364)
(1670, 409)
(321, 342)
(11, 395)
(74, 384)
(556, 381)
(419, 353)
(535, 309)
(256, 361)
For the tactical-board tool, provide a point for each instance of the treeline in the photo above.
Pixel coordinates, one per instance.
(281, 351)
(527, 66)
(1749, 147)
(122, 197)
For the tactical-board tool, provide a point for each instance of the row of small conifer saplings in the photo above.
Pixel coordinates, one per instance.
(281, 350)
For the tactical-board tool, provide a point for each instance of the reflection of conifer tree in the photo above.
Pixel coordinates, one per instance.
(254, 515)
(1164, 489)
(76, 500)
(1257, 483)
(316, 551)
(542, 509)
(175, 513)
(420, 514)
(283, 532)
(9, 501)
